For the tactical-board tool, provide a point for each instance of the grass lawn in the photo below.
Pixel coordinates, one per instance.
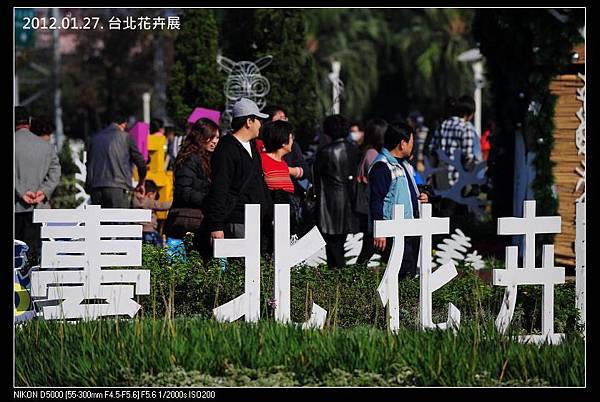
(202, 352)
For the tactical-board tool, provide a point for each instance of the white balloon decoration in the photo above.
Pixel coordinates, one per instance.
(352, 248)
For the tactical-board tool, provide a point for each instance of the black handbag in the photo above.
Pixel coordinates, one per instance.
(361, 198)
(295, 203)
(182, 220)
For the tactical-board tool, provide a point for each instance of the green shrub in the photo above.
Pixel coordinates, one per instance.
(188, 287)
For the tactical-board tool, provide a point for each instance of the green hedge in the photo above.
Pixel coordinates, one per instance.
(349, 295)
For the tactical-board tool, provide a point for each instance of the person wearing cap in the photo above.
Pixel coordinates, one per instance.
(237, 179)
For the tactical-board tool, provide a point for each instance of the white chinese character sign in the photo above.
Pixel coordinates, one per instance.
(286, 256)
(248, 304)
(425, 227)
(77, 244)
(547, 275)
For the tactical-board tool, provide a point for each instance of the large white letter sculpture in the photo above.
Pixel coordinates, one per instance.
(286, 256)
(512, 276)
(248, 304)
(580, 261)
(85, 247)
(425, 227)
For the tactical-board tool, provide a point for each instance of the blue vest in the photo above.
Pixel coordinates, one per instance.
(398, 193)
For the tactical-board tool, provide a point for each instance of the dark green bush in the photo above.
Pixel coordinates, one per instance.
(188, 287)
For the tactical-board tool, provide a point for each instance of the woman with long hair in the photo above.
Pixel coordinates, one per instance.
(192, 180)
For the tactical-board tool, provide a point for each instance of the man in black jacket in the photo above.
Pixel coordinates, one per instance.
(237, 179)
(334, 170)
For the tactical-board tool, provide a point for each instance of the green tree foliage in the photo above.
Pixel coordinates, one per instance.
(236, 33)
(430, 43)
(393, 60)
(195, 78)
(525, 50)
(109, 71)
(102, 70)
(282, 34)
(64, 194)
(65, 157)
(355, 38)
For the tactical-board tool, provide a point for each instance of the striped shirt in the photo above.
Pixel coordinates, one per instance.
(277, 174)
(455, 133)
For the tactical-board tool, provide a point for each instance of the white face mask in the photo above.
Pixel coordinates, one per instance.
(356, 136)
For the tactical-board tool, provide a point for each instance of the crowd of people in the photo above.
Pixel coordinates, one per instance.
(358, 175)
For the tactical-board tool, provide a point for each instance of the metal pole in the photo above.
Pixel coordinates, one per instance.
(59, 135)
(146, 98)
(160, 87)
(478, 76)
(16, 99)
(334, 77)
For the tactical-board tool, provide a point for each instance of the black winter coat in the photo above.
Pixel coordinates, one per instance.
(232, 167)
(334, 170)
(191, 184)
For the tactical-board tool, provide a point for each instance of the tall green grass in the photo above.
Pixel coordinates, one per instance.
(175, 341)
(142, 351)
